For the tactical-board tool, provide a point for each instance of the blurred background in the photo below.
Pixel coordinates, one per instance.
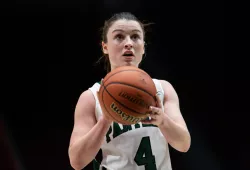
(49, 55)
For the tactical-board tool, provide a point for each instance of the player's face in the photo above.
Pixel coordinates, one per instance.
(125, 43)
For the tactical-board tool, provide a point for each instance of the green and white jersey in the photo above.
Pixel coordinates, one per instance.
(132, 147)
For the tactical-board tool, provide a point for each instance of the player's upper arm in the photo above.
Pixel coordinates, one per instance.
(171, 103)
(84, 118)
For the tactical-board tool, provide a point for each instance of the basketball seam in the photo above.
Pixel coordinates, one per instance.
(108, 111)
(123, 71)
(131, 86)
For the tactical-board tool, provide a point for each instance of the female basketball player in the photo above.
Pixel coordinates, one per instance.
(143, 146)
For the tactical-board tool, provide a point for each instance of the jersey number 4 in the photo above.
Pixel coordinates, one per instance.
(144, 155)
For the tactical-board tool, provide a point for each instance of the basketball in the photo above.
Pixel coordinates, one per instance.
(125, 95)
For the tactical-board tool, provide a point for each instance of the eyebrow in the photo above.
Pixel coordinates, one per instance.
(116, 30)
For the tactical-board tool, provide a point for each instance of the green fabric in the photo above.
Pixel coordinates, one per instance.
(96, 165)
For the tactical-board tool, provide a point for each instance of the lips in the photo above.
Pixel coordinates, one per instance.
(128, 53)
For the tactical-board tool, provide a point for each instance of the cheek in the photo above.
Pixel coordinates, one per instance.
(140, 47)
(114, 46)
(117, 48)
(114, 50)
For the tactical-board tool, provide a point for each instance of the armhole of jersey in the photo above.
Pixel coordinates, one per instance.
(94, 89)
(159, 88)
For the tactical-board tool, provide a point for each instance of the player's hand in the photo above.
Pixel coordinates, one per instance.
(156, 116)
(104, 114)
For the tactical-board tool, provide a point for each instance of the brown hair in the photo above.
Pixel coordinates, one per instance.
(108, 23)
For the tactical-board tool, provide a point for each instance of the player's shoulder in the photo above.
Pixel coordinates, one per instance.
(167, 87)
(86, 97)
(89, 94)
(164, 83)
(169, 90)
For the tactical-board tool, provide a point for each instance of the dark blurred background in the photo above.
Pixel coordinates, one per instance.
(49, 51)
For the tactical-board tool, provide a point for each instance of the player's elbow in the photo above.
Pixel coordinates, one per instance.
(183, 145)
(75, 162)
(186, 144)
(185, 149)
(76, 165)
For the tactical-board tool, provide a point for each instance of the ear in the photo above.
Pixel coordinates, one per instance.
(104, 48)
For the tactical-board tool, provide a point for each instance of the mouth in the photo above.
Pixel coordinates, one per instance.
(128, 58)
(128, 54)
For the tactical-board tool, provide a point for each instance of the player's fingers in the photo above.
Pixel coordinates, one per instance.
(155, 110)
(152, 121)
(153, 116)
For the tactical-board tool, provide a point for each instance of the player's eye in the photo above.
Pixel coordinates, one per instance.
(119, 37)
(135, 37)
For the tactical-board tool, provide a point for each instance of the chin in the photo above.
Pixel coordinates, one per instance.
(130, 63)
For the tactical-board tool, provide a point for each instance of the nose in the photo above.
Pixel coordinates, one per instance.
(128, 43)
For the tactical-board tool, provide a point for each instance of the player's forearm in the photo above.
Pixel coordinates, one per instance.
(83, 151)
(176, 135)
